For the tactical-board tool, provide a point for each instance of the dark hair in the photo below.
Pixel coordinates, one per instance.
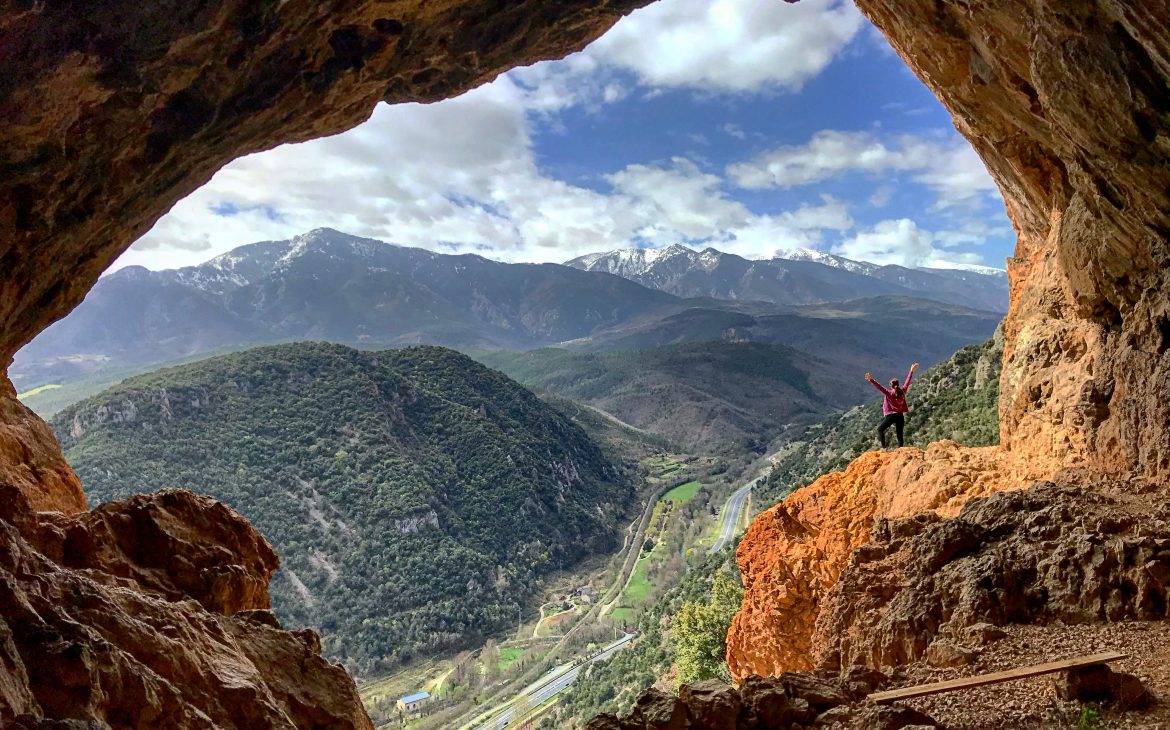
(895, 385)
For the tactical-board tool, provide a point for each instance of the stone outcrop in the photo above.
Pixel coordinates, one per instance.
(794, 553)
(150, 613)
(792, 701)
(926, 586)
(33, 473)
(1067, 104)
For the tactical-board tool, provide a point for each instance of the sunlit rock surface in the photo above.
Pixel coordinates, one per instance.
(1067, 103)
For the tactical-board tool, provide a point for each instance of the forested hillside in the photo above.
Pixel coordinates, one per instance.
(956, 399)
(710, 396)
(415, 497)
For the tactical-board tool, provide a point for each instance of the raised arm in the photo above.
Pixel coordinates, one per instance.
(876, 384)
(909, 377)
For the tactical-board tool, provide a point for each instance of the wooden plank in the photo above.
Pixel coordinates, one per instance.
(923, 690)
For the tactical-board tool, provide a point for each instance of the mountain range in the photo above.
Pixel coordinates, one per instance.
(802, 276)
(327, 285)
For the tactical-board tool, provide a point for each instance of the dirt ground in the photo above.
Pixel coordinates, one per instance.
(1033, 703)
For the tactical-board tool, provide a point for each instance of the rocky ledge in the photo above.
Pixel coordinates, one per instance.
(153, 612)
(791, 701)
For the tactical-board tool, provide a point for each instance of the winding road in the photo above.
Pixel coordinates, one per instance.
(732, 514)
(555, 681)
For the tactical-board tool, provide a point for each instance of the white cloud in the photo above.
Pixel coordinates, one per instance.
(903, 242)
(734, 130)
(951, 169)
(712, 46)
(729, 45)
(462, 175)
(882, 196)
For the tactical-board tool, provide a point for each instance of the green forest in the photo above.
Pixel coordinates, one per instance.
(416, 498)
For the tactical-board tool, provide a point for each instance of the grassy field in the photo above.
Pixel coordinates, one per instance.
(639, 586)
(683, 492)
(621, 613)
(508, 656)
(34, 391)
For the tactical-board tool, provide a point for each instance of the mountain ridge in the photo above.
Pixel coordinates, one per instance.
(800, 276)
(327, 285)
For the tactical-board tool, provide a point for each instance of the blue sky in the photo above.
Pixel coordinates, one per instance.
(753, 126)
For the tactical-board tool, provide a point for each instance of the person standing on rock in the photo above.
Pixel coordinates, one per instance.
(894, 408)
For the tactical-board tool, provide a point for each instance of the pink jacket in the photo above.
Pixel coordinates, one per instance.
(895, 403)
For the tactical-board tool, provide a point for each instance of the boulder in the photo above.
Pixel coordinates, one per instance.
(711, 704)
(943, 653)
(1099, 683)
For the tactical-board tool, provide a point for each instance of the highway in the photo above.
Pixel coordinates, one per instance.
(732, 514)
(552, 683)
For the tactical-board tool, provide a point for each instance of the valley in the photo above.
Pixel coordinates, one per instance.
(648, 440)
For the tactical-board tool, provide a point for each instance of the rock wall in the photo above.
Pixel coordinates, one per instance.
(153, 612)
(1069, 106)
(793, 555)
(1048, 553)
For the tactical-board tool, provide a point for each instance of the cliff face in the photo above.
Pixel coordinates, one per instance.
(1068, 106)
(793, 554)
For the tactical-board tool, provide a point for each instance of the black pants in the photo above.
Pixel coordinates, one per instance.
(898, 421)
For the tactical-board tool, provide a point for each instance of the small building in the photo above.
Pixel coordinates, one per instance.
(412, 704)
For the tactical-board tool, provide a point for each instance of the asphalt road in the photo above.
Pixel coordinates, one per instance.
(556, 681)
(731, 515)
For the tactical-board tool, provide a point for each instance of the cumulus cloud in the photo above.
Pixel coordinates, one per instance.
(712, 46)
(462, 176)
(903, 242)
(729, 45)
(951, 168)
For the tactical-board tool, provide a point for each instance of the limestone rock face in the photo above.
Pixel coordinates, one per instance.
(793, 554)
(34, 475)
(151, 613)
(1034, 556)
(1066, 103)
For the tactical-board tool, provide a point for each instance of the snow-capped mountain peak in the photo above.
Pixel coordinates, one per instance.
(828, 259)
(629, 262)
